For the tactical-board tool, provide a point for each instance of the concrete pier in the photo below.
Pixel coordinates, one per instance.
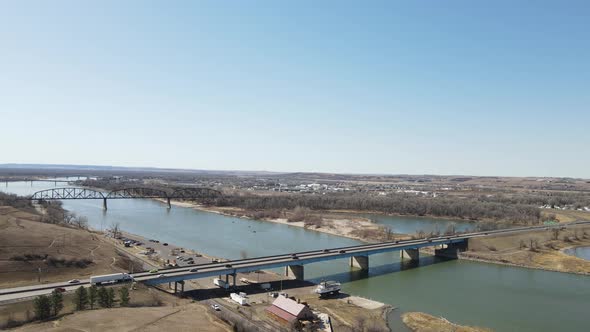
(412, 254)
(294, 272)
(451, 250)
(361, 262)
(104, 203)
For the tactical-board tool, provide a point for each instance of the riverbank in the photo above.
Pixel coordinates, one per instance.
(330, 222)
(543, 250)
(421, 322)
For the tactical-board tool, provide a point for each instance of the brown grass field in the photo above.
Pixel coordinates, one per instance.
(151, 310)
(538, 249)
(22, 234)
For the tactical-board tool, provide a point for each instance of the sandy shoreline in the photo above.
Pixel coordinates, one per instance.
(352, 228)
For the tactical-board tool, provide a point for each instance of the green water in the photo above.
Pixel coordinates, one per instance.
(498, 297)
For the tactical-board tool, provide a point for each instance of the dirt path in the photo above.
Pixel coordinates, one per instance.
(52, 242)
(141, 328)
(344, 321)
(92, 250)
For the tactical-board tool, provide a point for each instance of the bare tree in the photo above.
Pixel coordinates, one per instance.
(555, 233)
(116, 229)
(80, 222)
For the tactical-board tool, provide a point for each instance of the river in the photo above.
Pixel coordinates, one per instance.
(581, 252)
(499, 297)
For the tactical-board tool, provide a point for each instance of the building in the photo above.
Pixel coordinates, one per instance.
(288, 310)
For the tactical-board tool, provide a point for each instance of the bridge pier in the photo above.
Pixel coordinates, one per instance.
(361, 262)
(412, 254)
(452, 250)
(294, 272)
(168, 200)
(176, 283)
(104, 203)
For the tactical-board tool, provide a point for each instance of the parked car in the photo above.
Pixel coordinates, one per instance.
(216, 307)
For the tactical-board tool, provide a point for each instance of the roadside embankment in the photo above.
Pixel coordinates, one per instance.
(421, 322)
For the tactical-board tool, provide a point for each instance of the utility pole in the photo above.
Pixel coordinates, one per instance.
(39, 275)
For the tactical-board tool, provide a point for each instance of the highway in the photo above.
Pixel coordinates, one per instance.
(174, 274)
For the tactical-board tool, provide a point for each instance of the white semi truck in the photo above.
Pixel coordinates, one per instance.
(110, 278)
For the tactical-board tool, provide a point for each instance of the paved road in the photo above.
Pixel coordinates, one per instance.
(198, 271)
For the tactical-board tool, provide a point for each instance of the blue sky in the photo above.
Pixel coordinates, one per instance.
(436, 87)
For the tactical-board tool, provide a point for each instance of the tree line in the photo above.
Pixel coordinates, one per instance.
(46, 307)
(498, 208)
(403, 204)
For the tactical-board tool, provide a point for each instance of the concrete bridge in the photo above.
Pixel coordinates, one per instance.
(358, 257)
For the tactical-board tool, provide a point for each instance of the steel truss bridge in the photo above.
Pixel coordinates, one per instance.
(203, 195)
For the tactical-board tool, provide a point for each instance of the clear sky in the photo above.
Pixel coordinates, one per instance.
(437, 87)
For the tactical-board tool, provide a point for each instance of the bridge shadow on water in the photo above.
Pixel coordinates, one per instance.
(348, 276)
(374, 271)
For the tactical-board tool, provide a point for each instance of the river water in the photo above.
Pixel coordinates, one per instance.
(582, 252)
(499, 297)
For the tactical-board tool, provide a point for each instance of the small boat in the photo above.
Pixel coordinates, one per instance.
(328, 288)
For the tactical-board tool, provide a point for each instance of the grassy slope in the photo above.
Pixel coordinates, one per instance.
(21, 233)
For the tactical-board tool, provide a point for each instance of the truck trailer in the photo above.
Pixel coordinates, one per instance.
(220, 283)
(110, 278)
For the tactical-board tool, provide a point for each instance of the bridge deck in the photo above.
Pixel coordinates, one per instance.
(275, 261)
